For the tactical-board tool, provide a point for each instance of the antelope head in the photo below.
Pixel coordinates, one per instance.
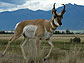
(57, 17)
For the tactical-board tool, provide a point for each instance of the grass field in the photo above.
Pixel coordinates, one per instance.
(63, 52)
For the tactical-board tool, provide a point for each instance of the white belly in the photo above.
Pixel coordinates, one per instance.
(47, 34)
(29, 31)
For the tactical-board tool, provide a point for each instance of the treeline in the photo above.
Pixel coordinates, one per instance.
(6, 32)
(63, 32)
(55, 32)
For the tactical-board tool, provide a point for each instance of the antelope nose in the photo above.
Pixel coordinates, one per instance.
(60, 24)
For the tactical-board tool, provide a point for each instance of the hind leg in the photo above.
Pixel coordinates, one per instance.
(22, 47)
(9, 42)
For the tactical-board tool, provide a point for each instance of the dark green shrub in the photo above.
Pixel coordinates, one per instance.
(75, 40)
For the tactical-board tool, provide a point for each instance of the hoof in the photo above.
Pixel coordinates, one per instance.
(44, 59)
(2, 55)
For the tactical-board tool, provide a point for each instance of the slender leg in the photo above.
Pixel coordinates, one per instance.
(22, 48)
(50, 49)
(9, 42)
(37, 44)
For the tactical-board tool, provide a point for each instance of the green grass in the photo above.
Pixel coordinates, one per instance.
(16, 44)
(63, 52)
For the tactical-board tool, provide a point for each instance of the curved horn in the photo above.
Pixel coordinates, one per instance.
(63, 11)
(53, 10)
(54, 6)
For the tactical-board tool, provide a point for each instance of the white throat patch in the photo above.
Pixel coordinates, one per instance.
(52, 25)
(56, 23)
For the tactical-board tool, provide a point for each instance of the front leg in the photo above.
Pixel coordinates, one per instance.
(37, 44)
(50, 43)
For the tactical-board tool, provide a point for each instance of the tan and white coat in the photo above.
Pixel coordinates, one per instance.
(38, 29)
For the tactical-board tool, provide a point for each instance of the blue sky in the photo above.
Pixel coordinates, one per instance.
(12, 5)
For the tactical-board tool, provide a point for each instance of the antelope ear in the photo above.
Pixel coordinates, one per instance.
(63, 11)
(53, 10)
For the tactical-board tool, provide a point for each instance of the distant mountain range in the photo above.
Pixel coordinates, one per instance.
(73, 18)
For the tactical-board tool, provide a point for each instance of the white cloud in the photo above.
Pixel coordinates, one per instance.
(47, 4)
(6, 6)
(43, 4)
(37, 4)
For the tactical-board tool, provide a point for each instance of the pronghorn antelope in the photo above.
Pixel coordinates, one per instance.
(38, 29)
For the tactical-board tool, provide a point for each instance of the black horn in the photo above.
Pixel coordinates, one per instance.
(63, 11)
(53, 10)
(54, 6)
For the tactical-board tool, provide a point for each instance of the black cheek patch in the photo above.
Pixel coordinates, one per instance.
(60, 23)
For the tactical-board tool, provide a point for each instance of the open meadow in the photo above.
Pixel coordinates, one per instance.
(63, 52)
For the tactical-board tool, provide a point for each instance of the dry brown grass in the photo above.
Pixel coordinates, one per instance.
(57, 37)
(74, 55)
(14, 55)
(66, 37)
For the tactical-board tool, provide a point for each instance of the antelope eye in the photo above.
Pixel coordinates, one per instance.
(61, 16)
(54, 16)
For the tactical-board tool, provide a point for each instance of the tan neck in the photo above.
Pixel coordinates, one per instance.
(49, 27)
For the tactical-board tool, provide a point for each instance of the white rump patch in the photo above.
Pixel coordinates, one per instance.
(16, 25)
(29, 31)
